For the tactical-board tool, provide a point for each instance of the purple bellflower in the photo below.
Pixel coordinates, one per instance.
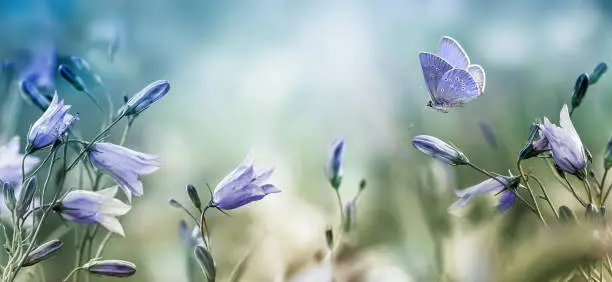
(242, 186)
(439, 149)
(333, 170)
(565, 144)
(490, 185)
(125, 166)
(147, 96)
(98, 207)
(10, 162)
(51, 125)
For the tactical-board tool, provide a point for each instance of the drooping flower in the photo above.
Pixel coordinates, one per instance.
(333, 170)
(147, 96)
(490, 185)
(242, 186)
(565, 144)
(10, 162)
(439, 149)
(124, 165)
(51, 125)
(99, 207)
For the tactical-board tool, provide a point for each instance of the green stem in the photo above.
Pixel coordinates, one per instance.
(601, 188)
(547, 198)
(204, 228)
(103, 244)
(587, 187)
(573, 190)
(71, 273)
(533, 198)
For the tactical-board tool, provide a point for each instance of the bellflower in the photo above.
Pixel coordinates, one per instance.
(99, 207)
(242, 186)
(125, 166)
(439, 149)
(40, 69)
(10, 162)
(51, 125)
(565, 144)
(490, 185)
(147, 96)
(333, 170)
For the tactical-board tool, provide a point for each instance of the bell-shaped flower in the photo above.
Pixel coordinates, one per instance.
(98, 207)
(40, 69)
(333, 170)
(565, 144)
(242, 186)
(51, 125)
(147, 96)
(124, 165)
(10, 162)
(439, 149)
(505, 185)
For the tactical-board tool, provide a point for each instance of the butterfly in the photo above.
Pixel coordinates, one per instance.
(450, 77)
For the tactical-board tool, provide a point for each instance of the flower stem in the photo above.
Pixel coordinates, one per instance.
(71, 273)
(546, 197)
(93, 141)
(571, 187)
(601, 188)
(204, 228)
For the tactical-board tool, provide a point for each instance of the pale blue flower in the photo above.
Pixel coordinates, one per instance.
(51, 125)
(333, 170)
(242, 186)
(439, 149)
(565, 144)
(124, 165)
(490, 185)
(145, 97)
(10, 162)
(99, 207)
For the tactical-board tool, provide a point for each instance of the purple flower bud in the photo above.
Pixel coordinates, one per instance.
(33, 95)
(75, 80)
(490, 185)
(242, 186)
(125, 166)
(98, 207)
(147, 96)
(608, 155)
(10, 162)
(113, 268)
(599, 70)
(26, 197)
(580, 89)
(333, 170)
(439, 149)
(42, 252)
(51, 125)
(565, 144)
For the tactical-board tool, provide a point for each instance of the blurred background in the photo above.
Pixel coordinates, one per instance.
(283, 79)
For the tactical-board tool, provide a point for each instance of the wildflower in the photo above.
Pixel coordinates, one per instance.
(536, 143)
(439, 149)
(599, 70)
(51, 125)
(125, 166)
(113, 268)
(490, 185)
(43, 252)
(10, 162)
(333, 170)
(147, 96)
(98, 207)
(33, 95)
(242, 186)
(580, 89)
(565, 144)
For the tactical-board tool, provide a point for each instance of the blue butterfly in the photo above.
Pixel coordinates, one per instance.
(450, 78)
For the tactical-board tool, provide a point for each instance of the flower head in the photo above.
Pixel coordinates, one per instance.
(333, 170)
(490, 185)
(439, 149)
(565, 144)
(147, 96)
(94, 207)
(242, 186)
(51, 125)
(10, 162)
(125, 166)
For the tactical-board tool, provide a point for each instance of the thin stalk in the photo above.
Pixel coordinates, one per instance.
(533, 198)
(601, 187)
(569, 184)
(587, 187)
(103, 244)
(71, 273)
(547, 198)
(204, 228)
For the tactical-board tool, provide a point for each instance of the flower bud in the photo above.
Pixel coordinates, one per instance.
(113, 268)
(175, 203)
(75, 80)
(9, 196)
(362, 184)
(333, 170)
(608, 155)
(143, 99)
(350, 214)
(329, 237)
(33, 95)
(206, 262)
(439, 149)
(566, 215)
(193, 196)
(26, 197)
(43, 252)
(580, 89)
(599, 70)
(535, 145)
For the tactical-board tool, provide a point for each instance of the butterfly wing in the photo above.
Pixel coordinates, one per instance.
(453, 53)
(434, 68)
(478, 74)
(455, 88)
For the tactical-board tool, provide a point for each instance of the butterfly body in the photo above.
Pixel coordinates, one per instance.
(450, 78)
